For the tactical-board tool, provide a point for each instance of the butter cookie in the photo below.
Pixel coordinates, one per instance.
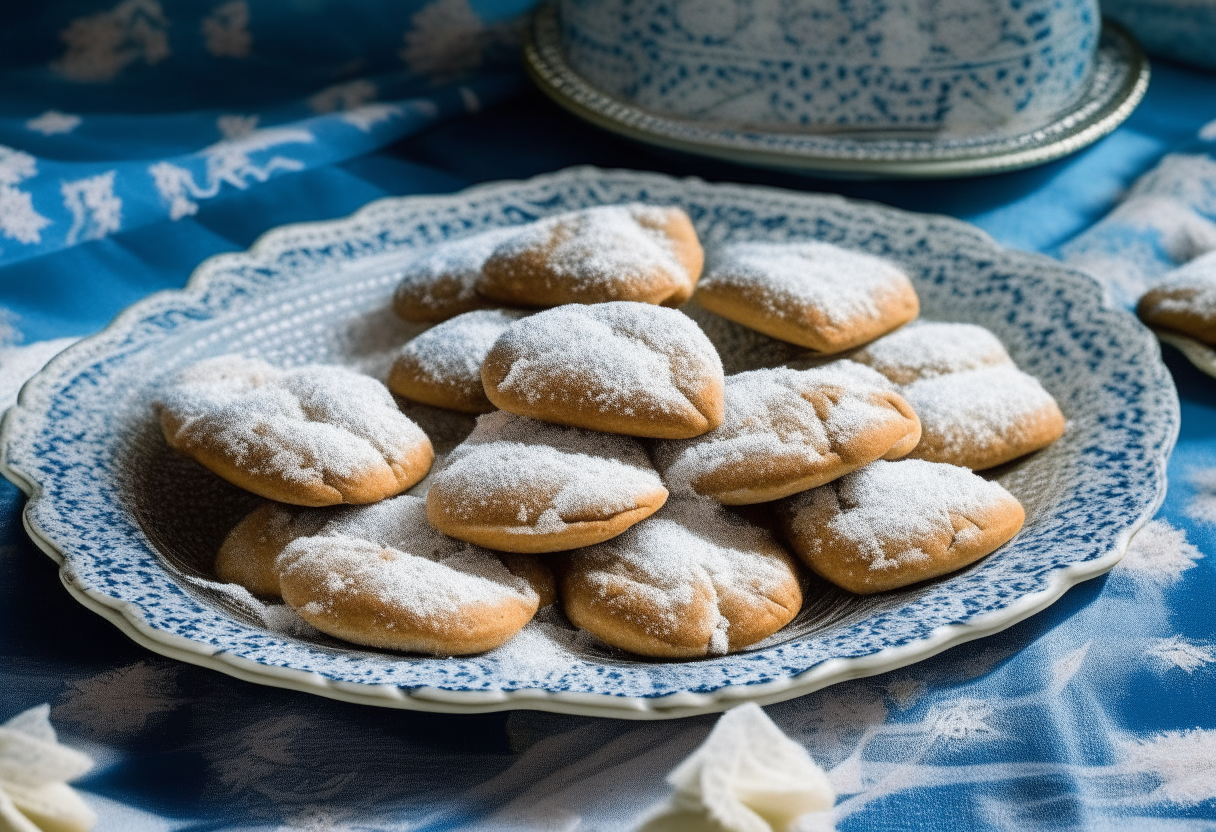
(440, 283)
(311, 436)
(1185, 301)
(892, 524)
(442, 366)
(522, 485)
(622, 367)
(380, 576)
(816, 295)
(247, 555)
(693, 580)
(924, 349)
(611, 252)
(982, 418)
(789, 430)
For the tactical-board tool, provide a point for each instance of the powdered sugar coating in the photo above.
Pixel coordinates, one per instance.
(441, 281)
(447, 358)
(923, 349)
(542, 476)
(1185, 300)
(387, 557)
(887, 508)
(786, 424)
(633, 360)
(819, 287)
(609, 252)
(688, 564)
(302, 426)
(988, 407)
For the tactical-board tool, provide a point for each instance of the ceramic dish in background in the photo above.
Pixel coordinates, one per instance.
(135, 526)
(1114, 88)
(832, 65)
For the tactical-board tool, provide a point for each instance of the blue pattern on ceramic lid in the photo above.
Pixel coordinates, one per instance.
(960, 65)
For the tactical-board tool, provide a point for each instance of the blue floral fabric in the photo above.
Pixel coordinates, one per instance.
(140, 137)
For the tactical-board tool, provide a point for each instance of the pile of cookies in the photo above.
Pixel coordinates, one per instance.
(611, 446)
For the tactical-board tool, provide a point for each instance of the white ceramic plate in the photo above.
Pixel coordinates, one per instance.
(135, 526)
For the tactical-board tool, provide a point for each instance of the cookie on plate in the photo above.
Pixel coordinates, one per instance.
(380, 576)
(789, 430)
(693, 580)
(622, 367)
(982, 418)
(442, 366)
(1185, 300)
(612, 252)
(440, 283)
(924, 349)
(521, 485)
(310, 436)
(247, 555)
(892, 524)
(816, 295)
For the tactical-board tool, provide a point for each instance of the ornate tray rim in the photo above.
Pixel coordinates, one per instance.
(126, 617)
(1096, 115)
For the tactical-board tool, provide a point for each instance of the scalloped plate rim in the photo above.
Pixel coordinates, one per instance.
(670, 706)
(674, 705)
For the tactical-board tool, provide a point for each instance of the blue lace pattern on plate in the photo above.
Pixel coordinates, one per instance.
(301, 293)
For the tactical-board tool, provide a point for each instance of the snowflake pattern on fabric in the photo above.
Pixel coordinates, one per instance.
(1093, 714)
(447, 57)
(18, 219)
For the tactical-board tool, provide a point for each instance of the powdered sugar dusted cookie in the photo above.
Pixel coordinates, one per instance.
(1185, 301)
(788, 430)
(924, 349)
(891, 524)
(522, 485)
(311, 436)
(611, 252)
(439, 284)
(981, 418)
(380, 576)
(442, 366)
(816, 295)
(693, 580)
(247, 555)
(622, 367)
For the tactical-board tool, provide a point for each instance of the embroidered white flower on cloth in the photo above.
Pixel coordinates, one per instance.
(96, 210)
(746, 777)
(227, 161)
(18, 219)
(345, 96)
(100, 45)
(34, 771)
(53, 122)
(447, 39)
(226, 30)
(1202, 507)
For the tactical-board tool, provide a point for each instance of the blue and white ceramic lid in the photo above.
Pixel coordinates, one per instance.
(964, 67)
(135, 526)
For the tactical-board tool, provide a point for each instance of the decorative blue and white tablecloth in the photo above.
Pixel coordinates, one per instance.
(138, 138)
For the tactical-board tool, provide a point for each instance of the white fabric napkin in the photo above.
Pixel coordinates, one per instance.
(746, 777)
(34, 770)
